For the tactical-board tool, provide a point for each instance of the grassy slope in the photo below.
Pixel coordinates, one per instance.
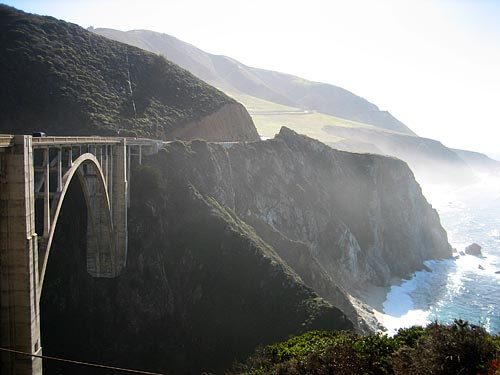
(233, 76)
(269, 117)
(60, 78)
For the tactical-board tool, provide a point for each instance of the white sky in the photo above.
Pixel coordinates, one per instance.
(435, 65)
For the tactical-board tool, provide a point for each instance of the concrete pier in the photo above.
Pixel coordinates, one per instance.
(19, 316)
(43, 168)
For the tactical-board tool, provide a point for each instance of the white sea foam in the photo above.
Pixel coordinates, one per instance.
(467, 287)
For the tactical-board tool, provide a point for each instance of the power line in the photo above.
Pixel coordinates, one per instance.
(81, 363)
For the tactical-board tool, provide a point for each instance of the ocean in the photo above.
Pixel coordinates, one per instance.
(465, 288)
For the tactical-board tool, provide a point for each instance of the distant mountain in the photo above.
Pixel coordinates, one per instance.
(62, 79)
(325, 112)
(478, 161)
(430, 160)
(232, 76)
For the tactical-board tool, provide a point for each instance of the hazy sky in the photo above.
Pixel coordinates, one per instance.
(435, 65)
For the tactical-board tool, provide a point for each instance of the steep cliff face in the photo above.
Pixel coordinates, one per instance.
(61, 79)
(200, 289)
(357, 213)
(237, 245)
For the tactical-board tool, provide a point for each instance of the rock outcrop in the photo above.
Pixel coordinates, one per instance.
(236, 245)
(357, 212)
(340, 220)
(474, 249)
(200, 290)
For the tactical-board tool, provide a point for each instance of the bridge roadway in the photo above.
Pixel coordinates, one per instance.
(40, 169)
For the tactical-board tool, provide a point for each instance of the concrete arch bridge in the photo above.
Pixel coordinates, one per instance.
(35, 174)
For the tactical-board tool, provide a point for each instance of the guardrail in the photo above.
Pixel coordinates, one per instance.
(61, 141)
(6, 140)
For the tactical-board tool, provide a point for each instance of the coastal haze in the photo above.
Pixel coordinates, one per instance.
(432, 64)
(299, 150)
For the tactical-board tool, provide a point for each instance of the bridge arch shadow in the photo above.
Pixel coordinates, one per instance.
(101, 247)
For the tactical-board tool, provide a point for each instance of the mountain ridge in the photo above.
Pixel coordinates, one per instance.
(305, 106)
(60, 74)
(282, 88)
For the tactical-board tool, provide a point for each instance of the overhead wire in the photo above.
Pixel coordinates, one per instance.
(81, 363)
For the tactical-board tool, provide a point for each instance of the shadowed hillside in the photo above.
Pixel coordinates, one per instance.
(236, 246)
(59, 78)
(199, 291)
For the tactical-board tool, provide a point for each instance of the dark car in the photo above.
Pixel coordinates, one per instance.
(38, 134)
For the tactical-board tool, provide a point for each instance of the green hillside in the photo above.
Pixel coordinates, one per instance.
(269, 117)
(60, 78)
(232, 76)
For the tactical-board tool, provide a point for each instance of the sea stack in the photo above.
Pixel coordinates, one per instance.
(474, 249)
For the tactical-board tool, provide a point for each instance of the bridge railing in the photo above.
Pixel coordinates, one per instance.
(61, 141)
(6, 140)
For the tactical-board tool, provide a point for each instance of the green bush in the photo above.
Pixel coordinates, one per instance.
(458, 348)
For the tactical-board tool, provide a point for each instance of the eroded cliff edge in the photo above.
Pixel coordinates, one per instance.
(362, 215)
(200, 290)
(238, 245)
(342, 221)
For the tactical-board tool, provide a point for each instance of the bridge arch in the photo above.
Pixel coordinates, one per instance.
(101, 257)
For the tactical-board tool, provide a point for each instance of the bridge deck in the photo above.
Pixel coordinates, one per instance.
(6, 140)
(68, 141)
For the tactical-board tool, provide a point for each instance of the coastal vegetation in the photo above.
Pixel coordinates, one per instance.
(457, 348)
(230, 246)
(64, 79)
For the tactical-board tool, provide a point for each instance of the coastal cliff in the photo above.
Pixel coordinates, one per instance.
(237, 245)
(357, 212)
(200, 290)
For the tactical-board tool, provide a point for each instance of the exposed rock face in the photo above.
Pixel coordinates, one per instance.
(474, 249)
(229, 248)
(357, 212)
(200, 289)
(230, 123)
(341, 220)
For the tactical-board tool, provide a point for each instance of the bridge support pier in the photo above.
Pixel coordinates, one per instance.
(119, 203)
(19, 305)
(24, 256)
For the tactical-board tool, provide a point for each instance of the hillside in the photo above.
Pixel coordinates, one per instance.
(430, 160)
(62, 79)
(199, 291)
(324, 112)
(232, 76)
(252, 242)
(480, 162)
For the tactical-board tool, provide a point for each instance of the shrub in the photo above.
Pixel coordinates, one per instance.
(458, 348)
